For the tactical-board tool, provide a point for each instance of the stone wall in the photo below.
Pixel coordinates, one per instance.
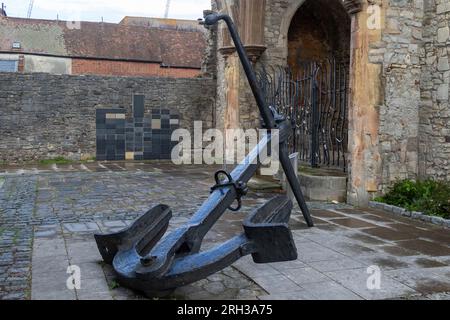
(399, 53)
(435, 109)
(43, 116)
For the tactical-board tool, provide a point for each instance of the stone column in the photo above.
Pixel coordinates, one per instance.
(366, 96)
(248, 16)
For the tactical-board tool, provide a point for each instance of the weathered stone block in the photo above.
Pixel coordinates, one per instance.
(442, 92)
(443, 34)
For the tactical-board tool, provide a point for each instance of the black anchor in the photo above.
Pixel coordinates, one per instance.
(156, 267)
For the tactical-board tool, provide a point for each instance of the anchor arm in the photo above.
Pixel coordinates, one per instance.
(158, 260)
(267, 238)
(199, 266)
(294, 183)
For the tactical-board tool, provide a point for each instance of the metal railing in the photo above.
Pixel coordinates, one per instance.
(314, 97)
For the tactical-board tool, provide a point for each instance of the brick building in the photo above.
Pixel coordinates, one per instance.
(134, 47)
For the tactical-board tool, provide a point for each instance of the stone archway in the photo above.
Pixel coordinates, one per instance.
(352, 7)
(365, 95)
(319, 30)
(318, 58)
(365, 81)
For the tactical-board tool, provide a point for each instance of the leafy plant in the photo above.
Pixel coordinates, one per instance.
(428, 196)
(113, 285)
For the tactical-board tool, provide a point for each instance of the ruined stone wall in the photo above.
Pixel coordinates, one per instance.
(399, 89)
(239, 96)
(435, 109)
(43, 116)
(399, 53)
(209, 62)
(220, 72)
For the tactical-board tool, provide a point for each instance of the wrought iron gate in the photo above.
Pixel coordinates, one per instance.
(314, 97)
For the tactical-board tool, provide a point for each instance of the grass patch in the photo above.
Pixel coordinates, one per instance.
(57, 160)
(428, 196)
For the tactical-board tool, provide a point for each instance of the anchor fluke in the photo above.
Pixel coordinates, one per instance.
(144, 233)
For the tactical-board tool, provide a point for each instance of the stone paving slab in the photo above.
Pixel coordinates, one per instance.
(356, 281)
(47, 221)
(330, 290)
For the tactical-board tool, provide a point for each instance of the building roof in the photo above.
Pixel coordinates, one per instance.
(170, 47)
(160, 23)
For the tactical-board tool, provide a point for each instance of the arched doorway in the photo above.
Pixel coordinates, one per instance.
(319, 30)
(319, 40)
(313, 91)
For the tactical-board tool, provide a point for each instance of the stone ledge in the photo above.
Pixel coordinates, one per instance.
(414, 215)
(324, 188)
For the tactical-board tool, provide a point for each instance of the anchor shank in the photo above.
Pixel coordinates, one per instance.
(266, 114)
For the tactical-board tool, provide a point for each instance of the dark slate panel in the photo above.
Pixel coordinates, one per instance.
(138, 106)
(165, 124)
(148, 156)
(115, 136)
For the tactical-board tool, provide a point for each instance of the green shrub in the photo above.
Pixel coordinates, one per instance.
(427, 196)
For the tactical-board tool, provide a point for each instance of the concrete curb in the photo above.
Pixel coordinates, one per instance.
(397, 211)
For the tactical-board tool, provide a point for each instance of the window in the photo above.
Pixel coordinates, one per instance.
(9, 65)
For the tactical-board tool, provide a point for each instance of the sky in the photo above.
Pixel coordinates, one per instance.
(110, 10)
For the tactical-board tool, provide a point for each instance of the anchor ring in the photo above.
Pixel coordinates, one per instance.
(240, 187)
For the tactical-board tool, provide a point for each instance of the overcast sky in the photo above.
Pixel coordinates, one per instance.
(110, 10)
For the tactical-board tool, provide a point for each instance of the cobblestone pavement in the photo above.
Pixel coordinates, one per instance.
(48, 216)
